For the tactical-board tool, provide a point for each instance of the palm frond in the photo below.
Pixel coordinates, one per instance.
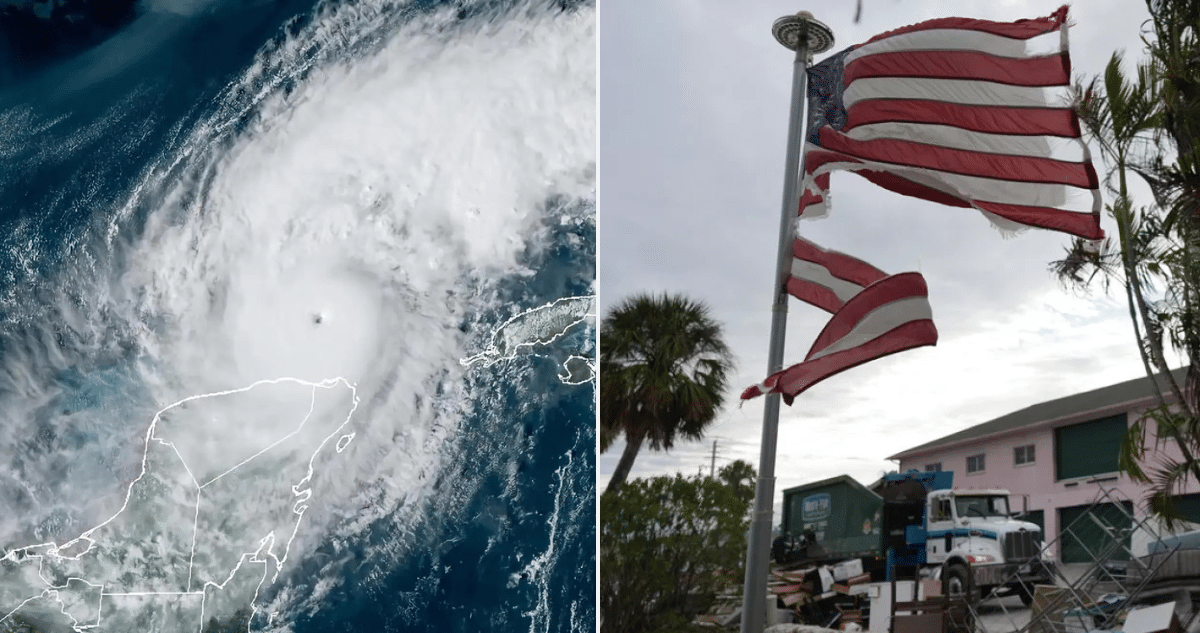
(1167, 482)
(1083, 261)
(1133, 450)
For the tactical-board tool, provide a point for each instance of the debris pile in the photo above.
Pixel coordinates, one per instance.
(829, 595)
(835, 597)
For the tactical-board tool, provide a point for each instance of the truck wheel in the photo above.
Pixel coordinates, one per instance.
(956, 581)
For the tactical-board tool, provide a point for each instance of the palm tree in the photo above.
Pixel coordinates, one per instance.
(1148, 126)
(663, 374)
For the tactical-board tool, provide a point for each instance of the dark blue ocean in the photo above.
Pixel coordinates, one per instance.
(201, 199)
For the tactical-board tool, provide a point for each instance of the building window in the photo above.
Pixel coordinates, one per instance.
(975, 464)
(933, 468)
(1023, 455)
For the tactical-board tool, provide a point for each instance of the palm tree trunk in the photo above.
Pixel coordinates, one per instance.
(1133, 285)
(632, 445)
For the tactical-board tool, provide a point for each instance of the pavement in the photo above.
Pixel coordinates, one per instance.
(1007, 615)
(1002, 615)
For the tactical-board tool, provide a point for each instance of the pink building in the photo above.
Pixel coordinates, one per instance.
(1058, 453)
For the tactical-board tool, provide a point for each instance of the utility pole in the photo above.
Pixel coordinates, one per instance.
(712, 468)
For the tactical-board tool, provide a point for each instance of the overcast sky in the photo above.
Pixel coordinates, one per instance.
(693, 120)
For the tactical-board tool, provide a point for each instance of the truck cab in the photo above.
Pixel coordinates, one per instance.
(973, 534)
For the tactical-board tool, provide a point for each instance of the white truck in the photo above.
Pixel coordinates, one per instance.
(971, 534)
(970, 538)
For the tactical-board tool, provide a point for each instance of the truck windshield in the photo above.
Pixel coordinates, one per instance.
(981, 506)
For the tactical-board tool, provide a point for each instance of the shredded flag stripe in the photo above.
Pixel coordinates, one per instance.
(965, 162)
(1039, 71)
(1019, 30)
(889, 316)
(887, 297)
(878, 322)
(827, 278)
(988, 119)
(953, 91)
(1053, 196)
(1062, 149)
(932, 38)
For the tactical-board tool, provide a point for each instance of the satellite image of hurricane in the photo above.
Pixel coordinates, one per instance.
(297, 315)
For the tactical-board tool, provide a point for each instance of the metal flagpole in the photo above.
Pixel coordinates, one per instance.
(806, 36)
